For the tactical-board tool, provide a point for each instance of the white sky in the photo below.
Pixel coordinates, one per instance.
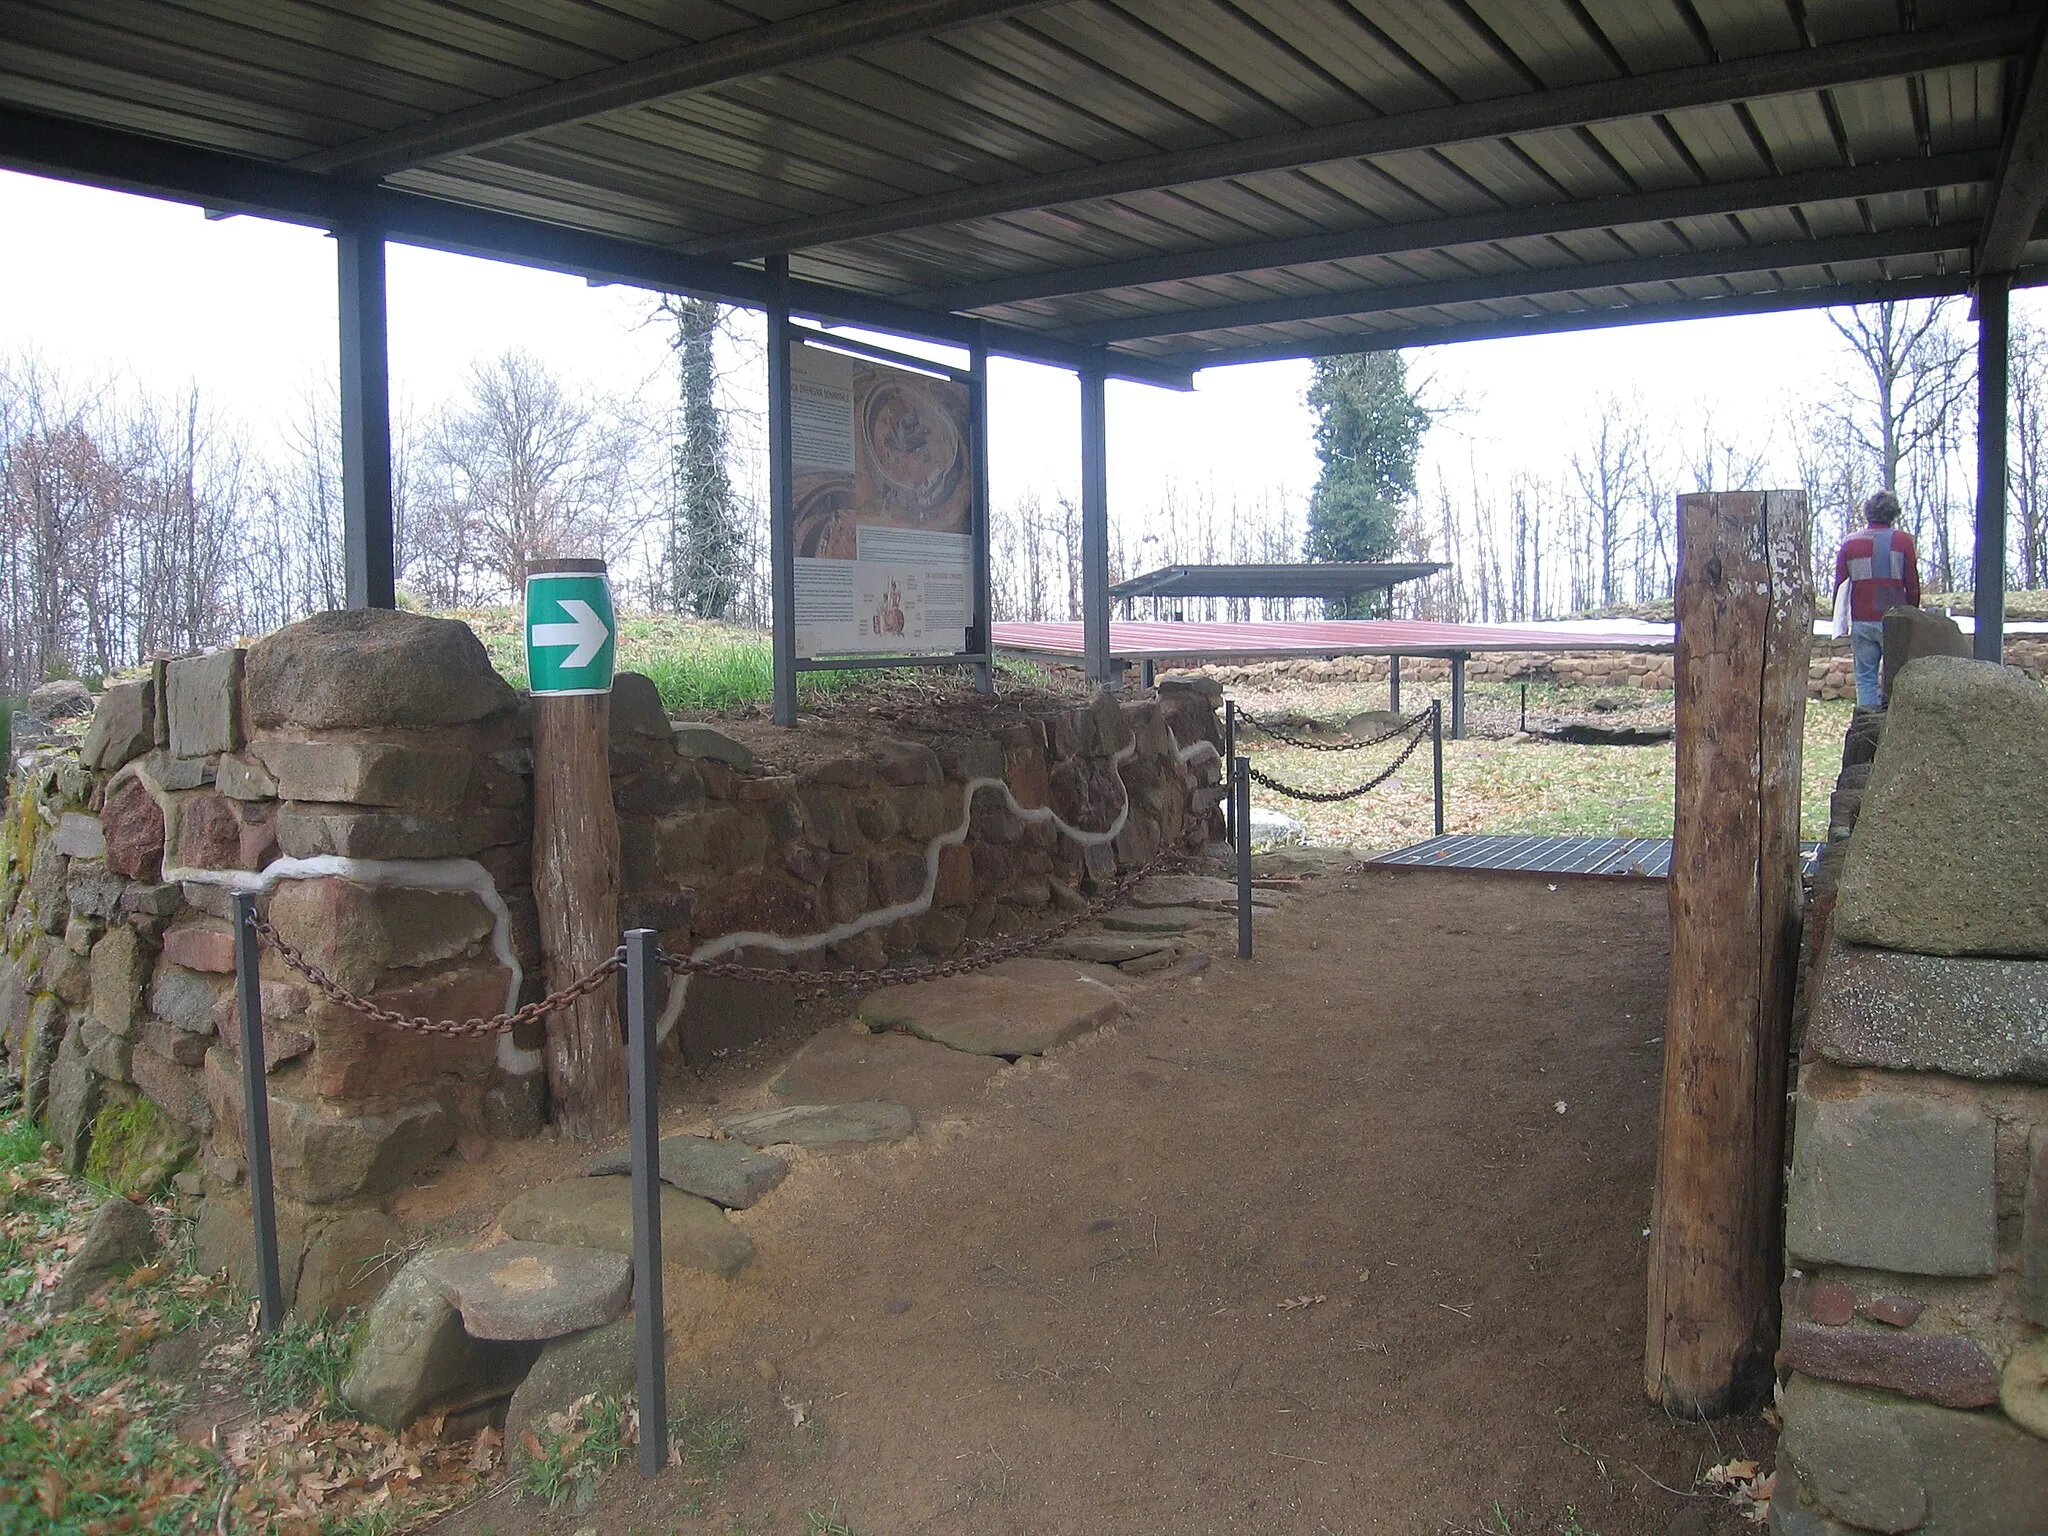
(99, 281)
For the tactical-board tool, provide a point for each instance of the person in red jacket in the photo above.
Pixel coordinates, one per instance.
(1883, 571)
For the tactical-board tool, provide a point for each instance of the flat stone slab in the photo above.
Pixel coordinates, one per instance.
(723, 1172)
(1970, 1017)
(1019, 1008)
(1195, 891)
(598, 1213)
(843, 1066)
(824, 1127)
(1156, 919)
(534, 1290)
(1109, 948)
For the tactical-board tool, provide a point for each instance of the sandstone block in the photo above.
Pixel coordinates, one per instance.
(534, 1290)
(78, 836)
(215, 832)
(119, 1236)
(1910, 633)
(724, 1172)
(133, 824)
(720, 840)
(722, 1015)
(1951, 841)
(824, 1128)
(309, 831)
(106, 1052)
(637, 709)
(896, 877)
(244, 779)
(93, 890)
(173, 1087)
(368, 773)
(119, 966)
(1933, 1013)
(356, 932)
(372, 669)
(174, 774)
(1018, 1008)
(756, 904)
(1950, 1369)
(204, 694)
(2034, 1230)
(74, 1099)
(185, 999)
(1892, 1181)
(356, 1058)
(956, 877)
(348, 1261)
(123, 726)
(906, 762)
(840, 1066)
(46, 887)
(2023, 1387)
(413, 1354)
(694, 740)
(599, 1360)
(201, 946)
(598, 1213)
(323, 1156)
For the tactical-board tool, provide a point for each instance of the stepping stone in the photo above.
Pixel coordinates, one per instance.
(824, 1127)
(1018, 1008)
(1156, 919)
(720, 1171)
(1195, 891)
(534, 1290)
(842, 1066)
(598, 1213)
(1108, 948)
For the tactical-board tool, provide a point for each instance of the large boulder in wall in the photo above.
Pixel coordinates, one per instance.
(372, 668)
(1910, 633)
(1949, 847)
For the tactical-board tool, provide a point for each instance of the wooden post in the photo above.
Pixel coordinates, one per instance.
(1745, 624)
(576, 888)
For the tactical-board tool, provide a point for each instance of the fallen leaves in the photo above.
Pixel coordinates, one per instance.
(1744, 1484)
(1295, 1303)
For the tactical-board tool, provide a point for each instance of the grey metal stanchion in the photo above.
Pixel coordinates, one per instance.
(1394, 684)
(256, 1114)
(1229, 767)
(644, 1128)
(1436, 743)
(1241, 793)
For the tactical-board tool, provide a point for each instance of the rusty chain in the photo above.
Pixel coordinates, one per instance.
(984, 955)
(1333, 796)
(1285, 739)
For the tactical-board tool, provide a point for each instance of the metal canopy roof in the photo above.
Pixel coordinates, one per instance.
(1145, 186)
(1323, 578)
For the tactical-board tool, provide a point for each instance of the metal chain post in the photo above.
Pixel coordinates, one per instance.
(643, 1086)
(1229, 767)
(1436, 737)
(1241, 792)
(256, 1114)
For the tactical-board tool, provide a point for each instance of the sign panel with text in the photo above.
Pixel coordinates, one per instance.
(882, 507)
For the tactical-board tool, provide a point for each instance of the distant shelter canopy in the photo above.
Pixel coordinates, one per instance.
(1332, 580)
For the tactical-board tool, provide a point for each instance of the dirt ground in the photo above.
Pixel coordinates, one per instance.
(1345, 1239)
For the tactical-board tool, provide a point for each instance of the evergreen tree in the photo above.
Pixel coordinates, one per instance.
(1368, 433)
(700, 558)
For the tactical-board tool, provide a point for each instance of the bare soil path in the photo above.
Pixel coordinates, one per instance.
(1348, 1239)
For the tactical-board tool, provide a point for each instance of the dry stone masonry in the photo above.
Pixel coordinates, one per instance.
(1915, 1343)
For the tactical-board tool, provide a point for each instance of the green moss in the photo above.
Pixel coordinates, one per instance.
(135, 1149)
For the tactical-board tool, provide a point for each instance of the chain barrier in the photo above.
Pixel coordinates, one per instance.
(984, 954)
(1409, 724)
(1333, 796)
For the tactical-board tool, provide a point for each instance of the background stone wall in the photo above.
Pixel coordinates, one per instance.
(1915, 1344)
(370, 777)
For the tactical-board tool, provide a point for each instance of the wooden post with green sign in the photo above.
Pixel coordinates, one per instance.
(570, 640)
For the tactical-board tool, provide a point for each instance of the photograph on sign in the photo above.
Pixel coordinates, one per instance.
(571, 634)
(883, 506)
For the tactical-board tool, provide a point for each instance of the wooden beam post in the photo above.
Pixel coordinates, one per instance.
(576, 888)
(1745, 623)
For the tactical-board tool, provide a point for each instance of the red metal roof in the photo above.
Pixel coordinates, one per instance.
(1150, 640)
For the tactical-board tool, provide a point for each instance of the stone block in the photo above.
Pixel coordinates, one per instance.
(368, 773)
(1952, 837)
(1881, 1463)
(726, 1173)
(175, 774)
(956, 877)
(514, 1106)
(78, 836)
(598, 1213)
(349, 1259)
(1969, 1017)
(106, 1052)
(244, 779)
(413, 1354)
(535, 1290)
(216, 832)
(133, 824)
(829, 820)
(637, 710)
(356, 1058)
(123, 726)
(120, 964)
(906, 762)
(36, 1054)
(357, 932)
(68, 974)
(119, 1236)
(74, 1101)
(1911, 633)
(721, 1015)
(896, 877)
(2023, 1387)
(372, 669)
(45, 891)
(1947, 1368)
(173, 1088)
(204, 694)
(719, 840)
(840, 1066)
(824, 1128)
(695, 740)
(756, 904)
(1893, 1181)
(599, 1360)
(2034, 1230)
(201, 946)
(310, 831)
(93, 890)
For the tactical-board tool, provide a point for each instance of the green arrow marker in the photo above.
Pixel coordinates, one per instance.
(570, 633)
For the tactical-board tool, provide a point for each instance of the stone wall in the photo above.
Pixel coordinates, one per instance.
(1915, 1344)
(369, 777)
(1831, 673)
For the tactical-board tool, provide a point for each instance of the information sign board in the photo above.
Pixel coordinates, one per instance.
(570, 633)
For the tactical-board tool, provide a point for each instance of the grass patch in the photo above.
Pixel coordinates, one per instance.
(303, 1364)
(572, 1449)
(21, 1141)
(826, 1522)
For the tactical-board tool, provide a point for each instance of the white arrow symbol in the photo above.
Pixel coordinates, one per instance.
(588, 633)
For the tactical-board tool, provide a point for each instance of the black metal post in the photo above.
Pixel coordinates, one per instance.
(1242, 792)
(1994, 301)
(1458, 698)
(256, 1114)
(1095, 527)
(369, 569)
(1394, 684)
(1229, 767)
(781, 532)
(1436, 743)
(981, 637)
(644, 1130)
(1524, 726)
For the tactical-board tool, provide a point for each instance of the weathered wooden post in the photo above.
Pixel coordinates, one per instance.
(569, 649)
(1745, 625)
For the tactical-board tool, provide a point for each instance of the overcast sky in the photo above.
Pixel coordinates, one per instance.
(98, 281)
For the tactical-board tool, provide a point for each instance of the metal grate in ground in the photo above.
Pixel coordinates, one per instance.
(1647, 858)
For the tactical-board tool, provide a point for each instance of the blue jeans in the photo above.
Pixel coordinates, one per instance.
(1866, 643)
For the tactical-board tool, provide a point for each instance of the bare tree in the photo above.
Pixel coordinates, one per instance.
(2029, 420)
(1610, 469)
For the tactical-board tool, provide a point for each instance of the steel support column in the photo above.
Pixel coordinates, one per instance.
(1994, 298)
(1094, 526)
(370, 567)
(781, 542)
(982, 636)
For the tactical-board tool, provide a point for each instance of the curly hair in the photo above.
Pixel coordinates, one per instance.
(1882, 508)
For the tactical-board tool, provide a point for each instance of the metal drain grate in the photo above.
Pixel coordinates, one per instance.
(1646, 858)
